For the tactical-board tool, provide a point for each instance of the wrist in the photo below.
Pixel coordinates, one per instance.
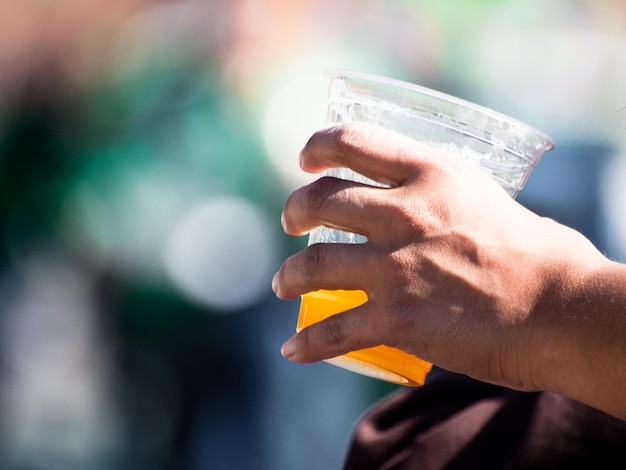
(580, 349)
(569, 276)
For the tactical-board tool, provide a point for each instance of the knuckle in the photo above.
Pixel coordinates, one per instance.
(313, 260)
(414, 218)
(347, 138)
(334, 330)
(318, 194)
(304, 207)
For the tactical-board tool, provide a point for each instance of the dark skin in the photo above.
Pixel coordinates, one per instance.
(456, 271)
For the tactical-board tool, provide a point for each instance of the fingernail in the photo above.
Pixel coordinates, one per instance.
(288, 349)
(275, 283)
(282, 220)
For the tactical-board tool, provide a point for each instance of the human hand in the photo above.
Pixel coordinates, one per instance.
(456, 271)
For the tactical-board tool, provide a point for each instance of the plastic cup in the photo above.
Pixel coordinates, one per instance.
(504, 147)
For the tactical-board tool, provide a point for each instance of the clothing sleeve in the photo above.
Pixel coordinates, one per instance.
(454, 422)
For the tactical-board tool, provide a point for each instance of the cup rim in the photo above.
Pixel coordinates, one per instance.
(371, 77)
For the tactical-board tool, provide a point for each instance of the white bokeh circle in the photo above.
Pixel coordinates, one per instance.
(222, 254)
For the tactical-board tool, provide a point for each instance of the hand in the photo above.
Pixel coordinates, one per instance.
(456, 271)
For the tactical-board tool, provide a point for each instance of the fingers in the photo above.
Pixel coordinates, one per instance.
(335, 203)
(372, 151)
(334, 336)
(323, 266)
(377, 153)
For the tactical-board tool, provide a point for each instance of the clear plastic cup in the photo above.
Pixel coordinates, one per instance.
(504, 147)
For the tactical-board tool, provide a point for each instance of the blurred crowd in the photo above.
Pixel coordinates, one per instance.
(146, 150)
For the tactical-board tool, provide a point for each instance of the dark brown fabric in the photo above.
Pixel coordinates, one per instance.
(454, 422)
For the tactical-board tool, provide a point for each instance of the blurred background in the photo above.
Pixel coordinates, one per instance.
(146, 151)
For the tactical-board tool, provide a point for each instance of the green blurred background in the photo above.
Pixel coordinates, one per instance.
(146, 150)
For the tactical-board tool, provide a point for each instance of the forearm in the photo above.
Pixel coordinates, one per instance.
(585, 351)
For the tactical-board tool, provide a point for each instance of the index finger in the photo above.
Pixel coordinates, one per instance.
(372, 151)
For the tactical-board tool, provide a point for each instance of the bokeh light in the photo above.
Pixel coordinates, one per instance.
(284, 136)
(222, 254)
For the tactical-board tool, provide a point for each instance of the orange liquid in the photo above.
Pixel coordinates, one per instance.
(380, 362)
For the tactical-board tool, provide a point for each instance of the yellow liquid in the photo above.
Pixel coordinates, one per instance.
(380, 362)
